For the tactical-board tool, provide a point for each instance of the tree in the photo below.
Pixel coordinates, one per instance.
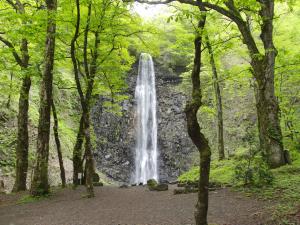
(40, 184)
(194, 129)
(99, 63)
(84, 100)
(218, 99)
(22, 60)
(58, 145)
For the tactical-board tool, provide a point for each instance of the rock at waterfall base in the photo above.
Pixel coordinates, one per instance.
(154, 186)
(151, 183)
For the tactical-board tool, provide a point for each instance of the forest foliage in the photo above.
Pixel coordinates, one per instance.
(122, 34)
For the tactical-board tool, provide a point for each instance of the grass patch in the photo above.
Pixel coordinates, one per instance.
(221, 172)
(29, 199)
(284, 190)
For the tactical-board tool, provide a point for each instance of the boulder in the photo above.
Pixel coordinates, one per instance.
(161, 187)
(151, 183)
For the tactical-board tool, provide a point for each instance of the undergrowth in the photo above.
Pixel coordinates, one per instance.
(284, 191)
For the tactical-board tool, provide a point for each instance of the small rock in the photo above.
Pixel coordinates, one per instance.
(98, 184)
(124, 186)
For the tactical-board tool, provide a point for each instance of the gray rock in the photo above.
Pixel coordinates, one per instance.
(115, 150)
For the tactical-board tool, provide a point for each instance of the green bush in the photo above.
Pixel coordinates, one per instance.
(251, 170)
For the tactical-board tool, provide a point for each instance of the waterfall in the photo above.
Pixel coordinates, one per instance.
(146, 152)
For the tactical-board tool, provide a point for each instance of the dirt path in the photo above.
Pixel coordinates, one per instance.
(132, 206)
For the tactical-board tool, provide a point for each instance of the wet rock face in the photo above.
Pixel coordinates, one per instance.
(115, 150)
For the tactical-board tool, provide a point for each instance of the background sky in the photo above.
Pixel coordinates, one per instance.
(149, 11)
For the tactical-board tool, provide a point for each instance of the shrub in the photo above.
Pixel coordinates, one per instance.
(252, 170)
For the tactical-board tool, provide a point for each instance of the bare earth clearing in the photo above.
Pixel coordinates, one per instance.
(132, 206)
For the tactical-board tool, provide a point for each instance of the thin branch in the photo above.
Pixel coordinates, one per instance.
(12, 4)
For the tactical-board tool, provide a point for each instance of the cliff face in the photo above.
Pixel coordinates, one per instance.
(114, 153)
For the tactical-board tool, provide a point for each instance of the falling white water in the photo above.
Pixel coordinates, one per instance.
(146, 125)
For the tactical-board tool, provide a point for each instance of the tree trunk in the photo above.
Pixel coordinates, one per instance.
(77, 153)
(270, 134)
(58, 146)
(263, 69)
(85, 101)
(40, 184)
(22, 138)
(89, 156)
(218, 100)
(194, 129)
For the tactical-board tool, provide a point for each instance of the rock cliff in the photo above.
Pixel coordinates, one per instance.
(114, 153)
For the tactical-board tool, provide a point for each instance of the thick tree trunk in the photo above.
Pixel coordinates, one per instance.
(263, 68)
(194, 130)
(58, 146)
(218, 100)
(40, 184)
(22, 138)
(270, 134)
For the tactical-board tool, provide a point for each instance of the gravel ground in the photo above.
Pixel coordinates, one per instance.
(130, 206)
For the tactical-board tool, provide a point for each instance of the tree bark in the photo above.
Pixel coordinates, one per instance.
(194, 129)
(22, 138)
(89, 156)
(58, 146)
(77, 153)
(267, 104)
(218, 100)
(40, 184)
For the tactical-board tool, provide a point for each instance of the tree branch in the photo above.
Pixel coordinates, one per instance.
(10, 2)
(14, 52)
(215, 7)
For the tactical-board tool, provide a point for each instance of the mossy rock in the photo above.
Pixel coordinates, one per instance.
(162, 187)
(159, 187)
(151, 183)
